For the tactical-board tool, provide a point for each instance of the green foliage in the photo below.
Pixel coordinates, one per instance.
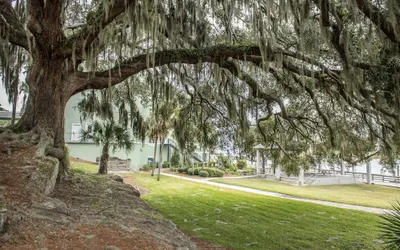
(204, 174)
(175, 159)
(166, 164)
(146, 167)
(212, 164)
(214, 172)
(291, 164)
(241, 164)
(197, 170)
(4, 123)
(183, 170)
(390, 227)
(108, 133)
(103, 105)
(190, 171)
(226, 163)
(248, 171)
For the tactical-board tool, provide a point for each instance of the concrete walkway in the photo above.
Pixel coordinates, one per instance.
(283, 196)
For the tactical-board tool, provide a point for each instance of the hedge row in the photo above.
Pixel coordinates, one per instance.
(212, 172)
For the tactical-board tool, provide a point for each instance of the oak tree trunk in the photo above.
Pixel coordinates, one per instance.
(46, 105)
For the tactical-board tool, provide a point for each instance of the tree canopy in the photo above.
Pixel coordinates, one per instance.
(322, 72)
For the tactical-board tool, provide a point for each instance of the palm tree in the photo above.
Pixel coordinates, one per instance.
(158, 127)
(152, 131)
(109, 135)
(390, 227)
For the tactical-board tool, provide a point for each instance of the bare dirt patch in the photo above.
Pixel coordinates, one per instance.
(83, 212)
(130, 180)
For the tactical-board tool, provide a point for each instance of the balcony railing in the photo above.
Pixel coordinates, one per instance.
(71, 137)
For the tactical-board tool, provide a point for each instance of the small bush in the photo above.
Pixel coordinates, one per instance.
(175, 159)
(166, 164)
(197, 170)
(248, 171)
(214, 172)
(241, 164)
(218, 173)
(182, 170)
(190, 171)
(204, 174)
(146, 167)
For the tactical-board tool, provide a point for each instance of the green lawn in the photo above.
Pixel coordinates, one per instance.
(362, 194)
(247, 221)
(85, 167)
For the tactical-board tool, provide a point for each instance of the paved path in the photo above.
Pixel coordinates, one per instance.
(283, 196)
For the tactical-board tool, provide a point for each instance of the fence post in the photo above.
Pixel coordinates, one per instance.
(369, 172)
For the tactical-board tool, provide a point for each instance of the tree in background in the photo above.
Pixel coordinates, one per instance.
(159, 125)
(117, 110)
(110, 136)
(175, 159)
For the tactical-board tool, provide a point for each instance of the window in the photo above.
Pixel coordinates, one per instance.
(76, 134)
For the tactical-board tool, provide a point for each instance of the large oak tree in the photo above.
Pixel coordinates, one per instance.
(321, 53)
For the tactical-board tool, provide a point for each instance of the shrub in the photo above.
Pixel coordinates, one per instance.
(197, 170)
(212, 164)
(182, 170)
(204, 174)
(241, 164)
(218, 173)
(166, 164)
(214, 172)
(226, 163)
(190, 171)
(146, 167)
(390, 227)
(175, 159)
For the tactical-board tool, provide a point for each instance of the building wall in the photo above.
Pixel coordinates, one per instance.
(139, 154)
(89, 151)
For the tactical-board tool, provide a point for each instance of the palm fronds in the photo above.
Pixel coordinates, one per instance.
(390, 227)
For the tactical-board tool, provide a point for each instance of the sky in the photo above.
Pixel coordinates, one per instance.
(4, 99)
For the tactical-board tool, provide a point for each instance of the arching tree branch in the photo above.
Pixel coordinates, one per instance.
(119, 73)
(96, 23)
(11, 29)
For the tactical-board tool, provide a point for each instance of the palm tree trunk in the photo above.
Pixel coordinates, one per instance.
(155, 154)
(103, 168)
(161, 156)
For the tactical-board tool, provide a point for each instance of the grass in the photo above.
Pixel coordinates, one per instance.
(247, 221)
(361, 194)
(85, 167)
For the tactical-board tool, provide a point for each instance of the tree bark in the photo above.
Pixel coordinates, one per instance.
(103, 168)
(48, 96)
(155, 154)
